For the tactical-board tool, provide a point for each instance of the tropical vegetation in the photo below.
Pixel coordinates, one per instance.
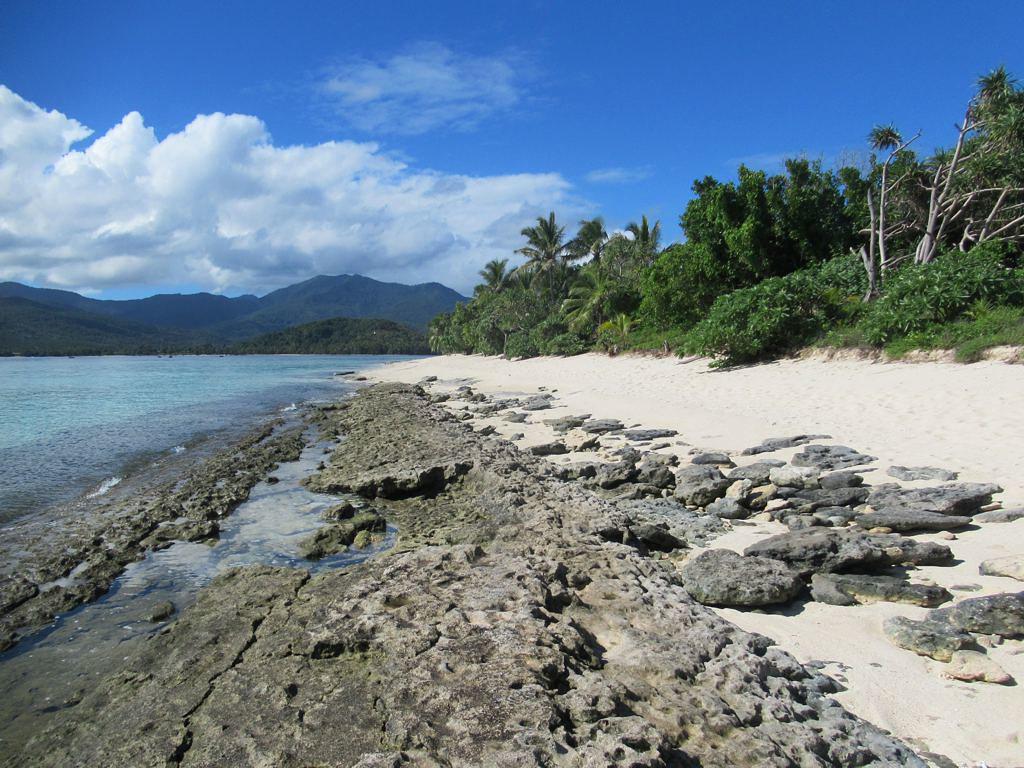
(897, 251)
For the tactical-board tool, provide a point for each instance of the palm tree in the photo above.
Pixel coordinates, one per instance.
(588, 297)
(590, 239)
(884, 138)
(545, 244)
(646, 236)
(495, 274)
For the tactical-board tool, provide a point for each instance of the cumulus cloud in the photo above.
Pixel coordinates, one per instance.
(426, 87)
(620, 175)
(219, 205)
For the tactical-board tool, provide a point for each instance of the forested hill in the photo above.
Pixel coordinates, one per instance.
(339, 335)
(223, 319)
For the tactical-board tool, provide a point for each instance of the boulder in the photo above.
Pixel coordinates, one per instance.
(722, 577)
(614, 475)
(516, 417)
(920, 473)
(828, 457)
(565, 423)
(655, 473)
(758, 472)
(601, 426)
(974, 667)
(579, 470)
(858, 589)
(656, 537)
(906, 520)
(999, 516)
(556, 448)
(835, 497)
(1001, 614)
(643, 435)
(827, 550)
(843, 479)
(1011, 566)
(937, 639)
(794, 477)
(699, 485)
(537, 403)
(715, 458)
(956, 499)
(728, 509)
(778, 443)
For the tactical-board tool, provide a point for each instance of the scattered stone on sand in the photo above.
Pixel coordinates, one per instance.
(827, 550)
(758, 472)
(728, 509)
(644, 435)
(920, 473)
(859, 589)
(929, 637)
(564, 423)
(794, 477)
(721, 577)
(555, 448)
(1001, 614)
(714, 458)
(907, 520)
(842, 479)
(601, 426)
(537, 403)
(974, 667)
(955, 499)
(1000, 516)
(1011, 566)
(778, 443)
(699, 485)
(516, 417)
(829, 457)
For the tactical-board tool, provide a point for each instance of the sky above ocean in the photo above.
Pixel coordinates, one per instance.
(242, 146)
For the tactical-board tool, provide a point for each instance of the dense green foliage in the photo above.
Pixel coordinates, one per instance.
(338, 336)
(897, 250)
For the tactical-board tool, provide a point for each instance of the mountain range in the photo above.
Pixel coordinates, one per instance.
(48, 321)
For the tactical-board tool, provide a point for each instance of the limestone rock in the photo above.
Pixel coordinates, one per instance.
(1000, 516)
(758, 472)
(973, 666)
(843, 479)
(1001, 614)
(555, 448)
(722, 577)
(699, 485)
(1011, 566)
(794, 477)
(778, 443)
(930, 637)
(920, 473)
(854, 589)
(601, 426)
(827, 457)
(956, 499)
(728, 509)
(907, 520)
(714, 458)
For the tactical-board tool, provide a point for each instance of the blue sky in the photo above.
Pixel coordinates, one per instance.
(460, 121)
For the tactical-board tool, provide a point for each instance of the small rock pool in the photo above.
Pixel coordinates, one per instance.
(50, 670)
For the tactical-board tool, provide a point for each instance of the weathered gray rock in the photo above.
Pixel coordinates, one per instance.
(1001, 614)
(601, 426)
(727, 509)
(920, 473)
(956, 499)
(858, 589)
(161, 611)
(516, 417)
(565, 423)
(722, 577)
(1011, 566)
(843, 479)
(999, 516)
(715, 458)
(827, 550)
(794, 477)
(758, 473)
(778, 443)
(813, 498)
(904, 520)
(699, 485)
(828, 457)
(975, 667)
(579, 470)
(16, 590)
(537, 403)
(615, 474)
(337, 537)
(930, 637)
(656, 537)
(555, 448)
(643, 435)
(655, 473)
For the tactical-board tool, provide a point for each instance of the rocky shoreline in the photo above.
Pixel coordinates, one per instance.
(523, 618)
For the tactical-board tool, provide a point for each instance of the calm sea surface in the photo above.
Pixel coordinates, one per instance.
(70, 426)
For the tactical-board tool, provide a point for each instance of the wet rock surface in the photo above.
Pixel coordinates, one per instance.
(502, 630)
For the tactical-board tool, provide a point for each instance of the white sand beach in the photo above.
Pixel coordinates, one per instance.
(965, 418)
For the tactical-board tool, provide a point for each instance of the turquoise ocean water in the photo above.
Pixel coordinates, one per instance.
(74, 426)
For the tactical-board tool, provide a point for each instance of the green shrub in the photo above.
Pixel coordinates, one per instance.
(566, 344)
(921, 296)
(769, 318)
(521, 344)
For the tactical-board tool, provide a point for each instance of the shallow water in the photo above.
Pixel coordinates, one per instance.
(69, 426)
(41, 674)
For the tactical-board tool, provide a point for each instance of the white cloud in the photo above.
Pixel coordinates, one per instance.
(220, 206)
(426, 87)
(620, 175)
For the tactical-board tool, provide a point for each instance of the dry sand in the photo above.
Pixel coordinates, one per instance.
(966, 418)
